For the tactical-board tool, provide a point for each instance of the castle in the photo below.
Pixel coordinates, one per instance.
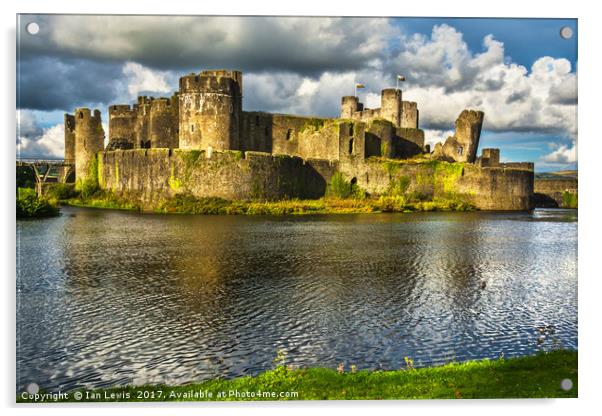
(200, 141)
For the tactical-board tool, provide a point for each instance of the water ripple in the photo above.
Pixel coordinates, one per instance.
(112, 298)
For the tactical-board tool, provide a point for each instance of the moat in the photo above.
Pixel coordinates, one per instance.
(108, 298)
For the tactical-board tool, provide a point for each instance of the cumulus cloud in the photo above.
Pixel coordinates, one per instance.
(141, 79)
(34, 141)
(432, 137)
(444, 77)
(563, 155)
(297, 65)
(512, 96)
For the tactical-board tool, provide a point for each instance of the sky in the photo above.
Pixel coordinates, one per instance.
(520, 72)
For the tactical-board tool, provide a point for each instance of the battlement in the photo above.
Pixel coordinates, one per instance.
(223, 73)
(84, 113)
(391, 109)
(118, 109)
(143, 99)
(216, 82)
(161, 104)
(490, 158)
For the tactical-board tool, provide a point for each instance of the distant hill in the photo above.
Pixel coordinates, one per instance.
(561, 174)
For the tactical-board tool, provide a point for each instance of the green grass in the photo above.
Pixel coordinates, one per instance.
(30, 206)
(100, 199)
(188, 204)
(569, 200)
(536, 376)
(341, 188)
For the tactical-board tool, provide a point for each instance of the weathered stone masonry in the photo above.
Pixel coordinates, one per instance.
(199, 141)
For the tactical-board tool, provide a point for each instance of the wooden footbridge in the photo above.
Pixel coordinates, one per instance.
(49, 170)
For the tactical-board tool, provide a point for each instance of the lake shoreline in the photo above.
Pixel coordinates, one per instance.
(535, 376)
(185, 204)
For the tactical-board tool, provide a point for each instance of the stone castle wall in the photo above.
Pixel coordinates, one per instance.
(152, 175)
(549, 192)
(486, 188)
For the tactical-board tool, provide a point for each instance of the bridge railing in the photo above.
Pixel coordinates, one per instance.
(31, 161)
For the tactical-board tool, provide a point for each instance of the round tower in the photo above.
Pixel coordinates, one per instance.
(210, 107)
(89, 140)
(349, 105)
(390, 106)
(121, 123)
(163, 124)
(69, 138)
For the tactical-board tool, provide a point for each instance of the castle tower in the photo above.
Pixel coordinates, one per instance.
(69, 138)
(163, 124)
(390, 106)
(210, 108)
(349, 105)
(89, 140)
(409, 115)
(142, 122)
(121, 123)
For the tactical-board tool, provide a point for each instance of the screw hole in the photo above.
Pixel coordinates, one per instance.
(32, 28)
(566, 32)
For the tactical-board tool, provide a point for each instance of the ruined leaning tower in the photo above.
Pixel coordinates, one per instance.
(88, 138)
(210, 110)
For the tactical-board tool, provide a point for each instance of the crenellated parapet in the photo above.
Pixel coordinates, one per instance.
(392, 108)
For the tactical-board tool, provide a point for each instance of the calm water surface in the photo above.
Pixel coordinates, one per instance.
(109, 298)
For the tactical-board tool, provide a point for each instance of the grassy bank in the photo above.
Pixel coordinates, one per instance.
(328, 205)
(187, 204)
(30, 206)
(535, 376)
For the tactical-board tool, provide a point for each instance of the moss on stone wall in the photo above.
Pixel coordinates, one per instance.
(391, 167)
(190, 157)
(312, 124)
(174, 183)
(99, 169)
(341, 188)
(90, 184)
(398, 186)
(446, 175)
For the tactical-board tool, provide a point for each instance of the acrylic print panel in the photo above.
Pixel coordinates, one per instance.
(364, 203)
